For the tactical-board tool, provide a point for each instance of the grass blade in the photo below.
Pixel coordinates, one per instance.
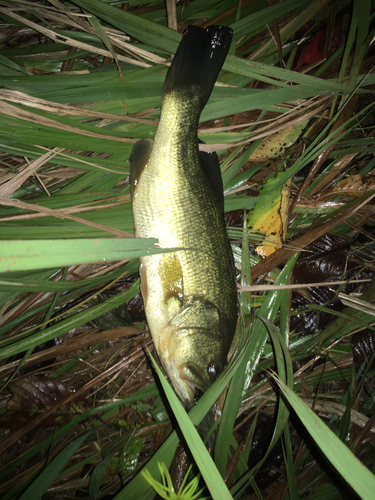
(351, 469)
(41, 254)
(211, 475)
(41, 483)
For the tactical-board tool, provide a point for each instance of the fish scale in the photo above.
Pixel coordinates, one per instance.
(190, 295)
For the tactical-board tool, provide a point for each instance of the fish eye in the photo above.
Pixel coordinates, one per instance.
(213, 370)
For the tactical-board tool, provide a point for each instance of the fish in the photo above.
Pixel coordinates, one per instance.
(189, 294)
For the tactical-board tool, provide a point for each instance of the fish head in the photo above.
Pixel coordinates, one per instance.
(197, 351)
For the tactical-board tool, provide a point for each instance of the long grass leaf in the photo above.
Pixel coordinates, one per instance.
(40, 254)
(40, 485)
(351, 469)
(211, 475)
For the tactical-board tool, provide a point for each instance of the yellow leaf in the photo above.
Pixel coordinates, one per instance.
(270, 216)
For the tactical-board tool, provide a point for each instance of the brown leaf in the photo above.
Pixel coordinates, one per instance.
(34, 395)
(363, 346)
(355, 185)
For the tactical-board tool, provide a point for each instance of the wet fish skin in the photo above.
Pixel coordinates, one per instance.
(190, 295)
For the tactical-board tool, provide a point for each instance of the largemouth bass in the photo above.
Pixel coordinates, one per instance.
(190, 295)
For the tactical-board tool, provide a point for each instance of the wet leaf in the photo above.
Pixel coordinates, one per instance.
(308, 321)
(323, 260)
(363, 347)
(355, 185)
(234, 218)
(33, 396)
(270, 216)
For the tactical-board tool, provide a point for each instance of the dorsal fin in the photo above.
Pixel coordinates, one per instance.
(211, 167)
(141, 153)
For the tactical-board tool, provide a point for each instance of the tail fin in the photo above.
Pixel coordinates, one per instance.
(198, 61)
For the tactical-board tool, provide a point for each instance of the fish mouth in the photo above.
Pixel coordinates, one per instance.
(189, 393)
(193, 380)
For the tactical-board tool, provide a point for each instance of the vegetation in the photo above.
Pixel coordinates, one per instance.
(84, 412)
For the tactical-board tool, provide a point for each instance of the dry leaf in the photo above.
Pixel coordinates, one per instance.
(355, 185)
